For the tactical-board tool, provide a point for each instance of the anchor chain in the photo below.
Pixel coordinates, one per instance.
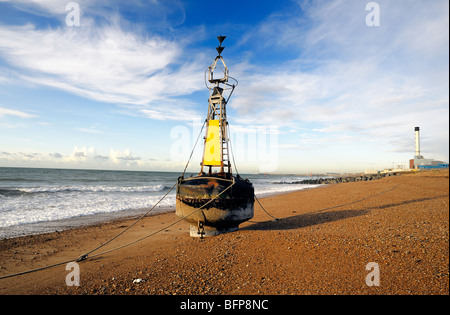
(201, 229)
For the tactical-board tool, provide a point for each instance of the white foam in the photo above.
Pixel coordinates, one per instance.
(43, 208)
(36, 205)
(280, 188)
(97, 188)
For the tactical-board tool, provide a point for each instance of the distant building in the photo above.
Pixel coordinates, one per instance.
(419, 162)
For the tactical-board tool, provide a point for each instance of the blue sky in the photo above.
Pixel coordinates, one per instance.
(319, 89)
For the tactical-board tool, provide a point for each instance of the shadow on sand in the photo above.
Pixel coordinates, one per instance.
(304, 220)
(320, 216)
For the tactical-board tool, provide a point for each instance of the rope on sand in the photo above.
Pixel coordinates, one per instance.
(275, 219)
(86, 257)
(329, 208)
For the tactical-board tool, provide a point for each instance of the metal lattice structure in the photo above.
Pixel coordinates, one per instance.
(216, 145)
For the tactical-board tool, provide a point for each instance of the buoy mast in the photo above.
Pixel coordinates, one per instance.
(215, 152)
(215, 202)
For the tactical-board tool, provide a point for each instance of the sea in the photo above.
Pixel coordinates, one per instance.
(38, 200)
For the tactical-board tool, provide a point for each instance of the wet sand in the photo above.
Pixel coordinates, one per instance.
(325, 239)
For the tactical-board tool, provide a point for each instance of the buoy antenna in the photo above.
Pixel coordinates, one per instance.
(220, 48)
(221, 39)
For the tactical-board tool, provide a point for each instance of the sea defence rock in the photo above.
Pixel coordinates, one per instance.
(346, 179)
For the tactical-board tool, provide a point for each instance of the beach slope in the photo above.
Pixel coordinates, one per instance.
(338, 239)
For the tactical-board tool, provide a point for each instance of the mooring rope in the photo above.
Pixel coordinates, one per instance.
(356, 201)
(276, 219)
(86, 257)
(166, 227)
(192, 152)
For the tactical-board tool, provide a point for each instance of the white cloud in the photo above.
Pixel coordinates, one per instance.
(80, 157)
(104, 63)
(118, 157)
(342, 82)
(91, 130)
(45, 6)
(13, 112)
(353, 83)
(81, 154)
(290, 146)
(96, 60)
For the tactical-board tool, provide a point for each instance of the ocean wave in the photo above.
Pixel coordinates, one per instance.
(67, 189)
(20, 211)
(11, 192)
(274, 189)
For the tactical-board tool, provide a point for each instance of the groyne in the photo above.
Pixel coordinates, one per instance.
(347, 179)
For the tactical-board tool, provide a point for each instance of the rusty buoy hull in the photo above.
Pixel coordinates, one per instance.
(211, 206)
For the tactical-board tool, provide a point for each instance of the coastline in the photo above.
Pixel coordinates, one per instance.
(76, 222)
(61, 225)
(321, 245)
(36, 201)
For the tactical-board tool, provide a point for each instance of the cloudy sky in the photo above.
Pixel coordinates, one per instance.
(323, 87)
